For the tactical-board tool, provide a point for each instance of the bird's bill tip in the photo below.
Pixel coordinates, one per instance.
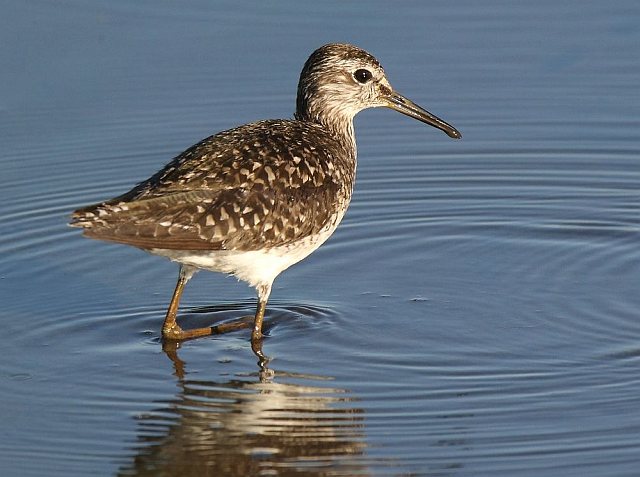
(403, 105)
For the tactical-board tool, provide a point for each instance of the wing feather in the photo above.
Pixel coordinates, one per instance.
(255, 186)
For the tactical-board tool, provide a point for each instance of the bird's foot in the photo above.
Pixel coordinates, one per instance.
(176, 333)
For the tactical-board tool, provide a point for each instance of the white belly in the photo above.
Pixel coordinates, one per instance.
(256, 267)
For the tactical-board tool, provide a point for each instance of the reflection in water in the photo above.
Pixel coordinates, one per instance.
(250, 427)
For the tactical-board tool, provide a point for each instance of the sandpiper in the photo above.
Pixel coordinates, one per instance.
(253, 200)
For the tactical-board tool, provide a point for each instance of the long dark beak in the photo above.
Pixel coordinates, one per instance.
(405, 106)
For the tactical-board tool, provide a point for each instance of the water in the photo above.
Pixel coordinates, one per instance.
(475, 314)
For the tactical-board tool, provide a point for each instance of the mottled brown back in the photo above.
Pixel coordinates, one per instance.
(264, 184)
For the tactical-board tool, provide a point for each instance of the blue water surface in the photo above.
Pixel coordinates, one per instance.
(476, 313)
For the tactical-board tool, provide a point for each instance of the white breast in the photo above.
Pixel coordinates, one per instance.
(256, 267)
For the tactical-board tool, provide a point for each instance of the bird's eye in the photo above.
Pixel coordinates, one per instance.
(362, 76)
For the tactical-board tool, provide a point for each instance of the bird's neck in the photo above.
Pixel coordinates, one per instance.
(339, 125)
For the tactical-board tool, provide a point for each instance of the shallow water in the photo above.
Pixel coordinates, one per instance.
(475, 314)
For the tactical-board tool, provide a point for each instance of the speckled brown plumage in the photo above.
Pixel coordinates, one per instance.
(260, 185)
(255, 199)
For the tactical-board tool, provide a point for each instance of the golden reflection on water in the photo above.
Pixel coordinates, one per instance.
(250, 426)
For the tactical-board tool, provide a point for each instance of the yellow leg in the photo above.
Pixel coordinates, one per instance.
(170, 329)
(256, 333)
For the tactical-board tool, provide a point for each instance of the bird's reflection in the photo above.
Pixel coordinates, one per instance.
(250, 426)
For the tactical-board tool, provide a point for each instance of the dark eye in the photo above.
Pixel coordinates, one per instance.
(362, 76)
